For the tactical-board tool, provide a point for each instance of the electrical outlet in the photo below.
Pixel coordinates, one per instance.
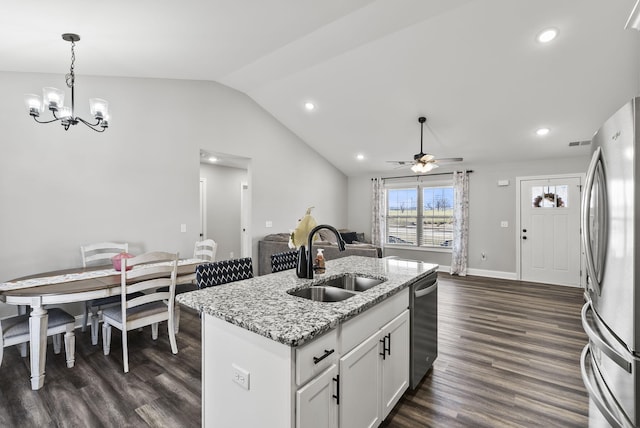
(240, 376)
(504, 223)
(231, 255)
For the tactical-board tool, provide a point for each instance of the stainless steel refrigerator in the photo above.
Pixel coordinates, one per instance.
(611, 316)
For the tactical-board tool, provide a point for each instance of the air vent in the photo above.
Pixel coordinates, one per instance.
(579, 143)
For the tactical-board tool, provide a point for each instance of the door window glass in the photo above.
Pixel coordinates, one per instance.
(549, 196)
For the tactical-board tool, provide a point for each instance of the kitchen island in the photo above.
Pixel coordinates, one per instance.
(272, 359)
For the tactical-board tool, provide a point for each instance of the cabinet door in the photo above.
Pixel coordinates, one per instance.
(360, 385)
(315, 402)
(395, 363)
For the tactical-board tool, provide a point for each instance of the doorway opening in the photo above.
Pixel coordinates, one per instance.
(225, 203)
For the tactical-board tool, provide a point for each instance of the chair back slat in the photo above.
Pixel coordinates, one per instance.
(102, 252)
(205, 250)
(223, 272)
(284, 261)
(150, 272)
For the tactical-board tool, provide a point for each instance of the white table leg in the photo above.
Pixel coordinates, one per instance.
(38, 342)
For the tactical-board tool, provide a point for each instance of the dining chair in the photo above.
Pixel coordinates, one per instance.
(223, 271)
(96, 255)
(205, 250)
(15, 331)
(284, 261)
(150, 272)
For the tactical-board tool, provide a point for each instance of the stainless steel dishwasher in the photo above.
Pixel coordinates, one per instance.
(423, 302)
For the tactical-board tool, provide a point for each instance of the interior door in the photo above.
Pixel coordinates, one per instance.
(550, 230)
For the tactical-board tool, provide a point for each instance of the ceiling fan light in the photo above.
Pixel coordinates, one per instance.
(416, 167)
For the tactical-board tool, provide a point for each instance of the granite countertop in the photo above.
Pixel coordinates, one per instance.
(262, 305)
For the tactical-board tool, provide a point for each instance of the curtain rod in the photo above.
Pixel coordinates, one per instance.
(422, 175)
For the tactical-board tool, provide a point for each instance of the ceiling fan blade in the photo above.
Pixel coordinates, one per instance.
(401, 162)
(448, 160)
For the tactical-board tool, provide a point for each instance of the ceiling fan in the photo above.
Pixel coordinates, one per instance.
(424, 162)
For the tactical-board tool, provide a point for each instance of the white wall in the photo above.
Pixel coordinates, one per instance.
(223, 207)
(138, 181)
(489, 204)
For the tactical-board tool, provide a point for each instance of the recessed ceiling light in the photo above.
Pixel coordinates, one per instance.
(547, 35)
(309, 106)
(360, 157)
(542, 131)
(213, 159)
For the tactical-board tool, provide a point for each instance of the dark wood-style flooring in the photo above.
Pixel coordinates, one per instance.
(508, 357)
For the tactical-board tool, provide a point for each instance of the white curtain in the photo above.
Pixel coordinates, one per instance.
(378, 201)
(460, 223)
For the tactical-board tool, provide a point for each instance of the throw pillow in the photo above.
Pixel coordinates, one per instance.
(349, 237)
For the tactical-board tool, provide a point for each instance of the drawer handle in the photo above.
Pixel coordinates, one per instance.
(316, 360)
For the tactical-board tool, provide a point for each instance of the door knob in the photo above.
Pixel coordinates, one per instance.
(524, 230)
(524, 237)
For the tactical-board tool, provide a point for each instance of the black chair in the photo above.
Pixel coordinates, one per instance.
(284, 261)
(224, 271)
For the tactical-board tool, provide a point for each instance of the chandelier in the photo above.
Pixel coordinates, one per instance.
(53, 100)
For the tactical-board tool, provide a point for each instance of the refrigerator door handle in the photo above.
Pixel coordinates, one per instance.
(591, 327)
(601, 395)
(594, 267)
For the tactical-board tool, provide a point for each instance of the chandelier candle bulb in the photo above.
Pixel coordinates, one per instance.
(98, 108)
(34, 104)
(53, 98)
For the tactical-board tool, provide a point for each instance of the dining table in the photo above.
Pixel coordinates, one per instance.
(66, 286)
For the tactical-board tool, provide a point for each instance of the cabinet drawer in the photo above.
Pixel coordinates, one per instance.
(356, 330)
(314, 357)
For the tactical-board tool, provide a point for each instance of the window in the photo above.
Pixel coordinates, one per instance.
(549, 196)
(420, 215)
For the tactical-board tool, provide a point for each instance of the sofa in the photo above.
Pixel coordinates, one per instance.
(279, 242)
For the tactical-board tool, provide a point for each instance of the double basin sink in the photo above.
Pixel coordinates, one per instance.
(337, 289)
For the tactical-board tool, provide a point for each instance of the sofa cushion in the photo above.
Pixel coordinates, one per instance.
(279, 237)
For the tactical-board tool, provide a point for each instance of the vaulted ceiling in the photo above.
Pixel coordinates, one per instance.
(371, 67)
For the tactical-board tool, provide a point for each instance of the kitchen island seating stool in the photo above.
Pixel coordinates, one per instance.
(15, 330)
(152, 271)
(284, 261)
(223, 271)
(96, 255)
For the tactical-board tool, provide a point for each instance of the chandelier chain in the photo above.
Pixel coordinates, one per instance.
(71, 77)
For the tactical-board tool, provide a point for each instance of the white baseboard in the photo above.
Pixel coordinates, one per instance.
(493, 273)
(483, 272)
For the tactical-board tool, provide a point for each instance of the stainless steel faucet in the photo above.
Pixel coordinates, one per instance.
(305, 257)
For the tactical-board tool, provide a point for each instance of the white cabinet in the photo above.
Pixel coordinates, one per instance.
(317, 401)
(375, 374)
(395, 363)
(360, 385)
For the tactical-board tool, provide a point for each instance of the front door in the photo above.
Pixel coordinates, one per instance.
(550, 230)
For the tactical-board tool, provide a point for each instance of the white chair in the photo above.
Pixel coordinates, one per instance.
(15, 330)
(96, 255)
(205, 250)
(150, 272)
